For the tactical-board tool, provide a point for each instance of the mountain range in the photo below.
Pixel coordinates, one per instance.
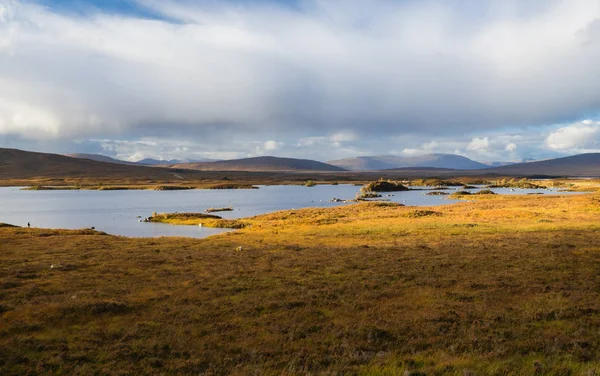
(363, 163)
(261, 164)
(18, 164)
(163, 162)
(386, 162)
(577, 165)
(101, 158)
(146, 161)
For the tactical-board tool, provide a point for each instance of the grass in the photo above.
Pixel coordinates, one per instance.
(436, 183)
(482, 192)
(196, 219)
(514, 183)
(498, 286)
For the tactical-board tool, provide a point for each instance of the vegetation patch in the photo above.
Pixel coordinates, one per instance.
(196, 219)
(216, 210)
(461, 193)
(437, 193)
(435, 183)
(380, 204)
(485, 192)
(37, 188)
(384, 186)
(423, 213)
(47, 188)
(231, 186)
(7, 225)
(514, 183)
(172, 188)
(367, 195)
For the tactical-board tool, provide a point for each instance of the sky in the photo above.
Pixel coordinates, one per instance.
(493, 80)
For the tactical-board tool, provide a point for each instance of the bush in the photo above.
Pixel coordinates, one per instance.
(514, 183)
(485, 192)
(366, 195)
(462, 193)
(384, 186)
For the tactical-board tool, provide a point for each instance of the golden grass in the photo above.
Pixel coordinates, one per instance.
(195, 219)
(496, 285)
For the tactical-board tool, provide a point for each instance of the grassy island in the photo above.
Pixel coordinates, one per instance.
(196, 219)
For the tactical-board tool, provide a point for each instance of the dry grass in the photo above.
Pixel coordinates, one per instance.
(195, 219)
(498, 286)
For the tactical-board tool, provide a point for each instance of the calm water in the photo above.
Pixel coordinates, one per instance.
(116, 212)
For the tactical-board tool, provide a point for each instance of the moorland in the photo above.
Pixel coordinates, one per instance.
(493, 285)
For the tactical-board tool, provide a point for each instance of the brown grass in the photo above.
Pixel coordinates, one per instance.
(499, 286)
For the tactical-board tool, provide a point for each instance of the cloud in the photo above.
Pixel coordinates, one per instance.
(271, 145)
(321, 79)
(578, 136)
(321, 66)
(479, 144)
(343, 136)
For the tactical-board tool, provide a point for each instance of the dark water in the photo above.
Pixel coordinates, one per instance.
(116, 212)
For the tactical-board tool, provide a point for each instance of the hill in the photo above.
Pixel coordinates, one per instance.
(386, 162)
(19, 164)
(576, 165)
(157, 162)
(261, 164)
(101, 158)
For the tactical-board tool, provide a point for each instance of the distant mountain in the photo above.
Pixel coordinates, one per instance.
(261, 164)
(101, 158)
(576, 165)
(499, 164)
(145, 162)
(155, 162)
(386, 162)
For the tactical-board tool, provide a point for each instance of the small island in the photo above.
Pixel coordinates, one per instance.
(196, 219)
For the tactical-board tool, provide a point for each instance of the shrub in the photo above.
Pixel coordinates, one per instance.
(384, 186)
(485, 192)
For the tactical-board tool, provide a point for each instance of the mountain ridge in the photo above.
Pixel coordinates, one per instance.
(579, 165)
(101, 158)
(266, 163)
(387, 162)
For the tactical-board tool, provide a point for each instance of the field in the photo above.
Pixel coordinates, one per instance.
(495, 285)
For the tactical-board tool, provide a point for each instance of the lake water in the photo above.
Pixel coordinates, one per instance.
(116, 212)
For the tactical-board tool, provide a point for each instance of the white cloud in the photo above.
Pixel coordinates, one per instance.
(27, 120)
(307, 142)
(343, 136)
(582, 135)
(409, 151)
(479, 144)
(511, 148)
(271, 145)
(430, 146)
